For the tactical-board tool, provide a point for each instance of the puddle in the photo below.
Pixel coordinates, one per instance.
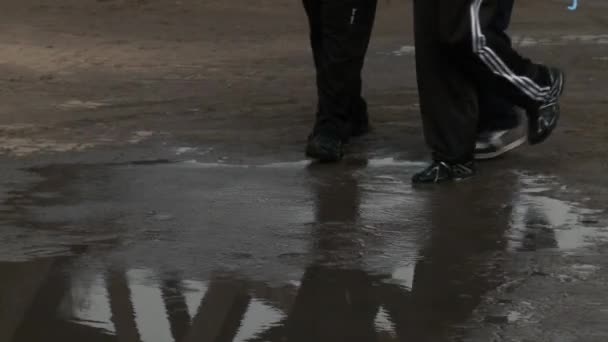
(259, 318)
(153, 310)
(540, 222)
(392, 162)
(404, 51)
(272, 252)
(303, 164)
(383, 322)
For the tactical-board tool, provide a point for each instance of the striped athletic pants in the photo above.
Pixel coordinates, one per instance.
(460, 52)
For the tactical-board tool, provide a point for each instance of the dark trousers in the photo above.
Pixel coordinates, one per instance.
(459, 52)
(340, 32)
(495, 112)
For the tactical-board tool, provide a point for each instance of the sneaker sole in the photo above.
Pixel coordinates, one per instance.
(507, 148)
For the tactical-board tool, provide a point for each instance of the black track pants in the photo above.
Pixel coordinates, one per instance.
(495, 112)
(459, 52)
(340, 32)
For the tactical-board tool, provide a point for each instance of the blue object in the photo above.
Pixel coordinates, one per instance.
(574, 5)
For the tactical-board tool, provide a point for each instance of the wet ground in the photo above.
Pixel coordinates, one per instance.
(154, 187)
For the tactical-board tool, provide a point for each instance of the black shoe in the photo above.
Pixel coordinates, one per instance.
(543, 120)
(494, 144)
(359, 127)
(439, 172)
(325, 148)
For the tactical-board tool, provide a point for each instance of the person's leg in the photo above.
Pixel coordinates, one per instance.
(448, 101)
(495, 112)
(325, 142)
(501, 125)
(359, 119)
(469, 36)
(466, 45)
(313, 12)
(340, 32)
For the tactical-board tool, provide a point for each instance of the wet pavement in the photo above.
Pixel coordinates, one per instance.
(195, 251)
(153, 187)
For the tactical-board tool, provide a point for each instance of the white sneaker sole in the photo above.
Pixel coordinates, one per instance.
(509, 147)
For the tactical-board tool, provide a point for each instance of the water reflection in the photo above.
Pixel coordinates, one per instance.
(337, 300)
(389, 263)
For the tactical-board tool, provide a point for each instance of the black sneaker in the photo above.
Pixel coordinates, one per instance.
(491, 145)
(439, 172)
(359, 127)
(543, 120)
(325, 148)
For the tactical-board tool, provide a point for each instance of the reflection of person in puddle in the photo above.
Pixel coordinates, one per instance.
(538, 232)
(340, 32)
(456, 268)
(336, 300)
(459, 264)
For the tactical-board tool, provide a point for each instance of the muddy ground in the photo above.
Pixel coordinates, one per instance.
(154, 186)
